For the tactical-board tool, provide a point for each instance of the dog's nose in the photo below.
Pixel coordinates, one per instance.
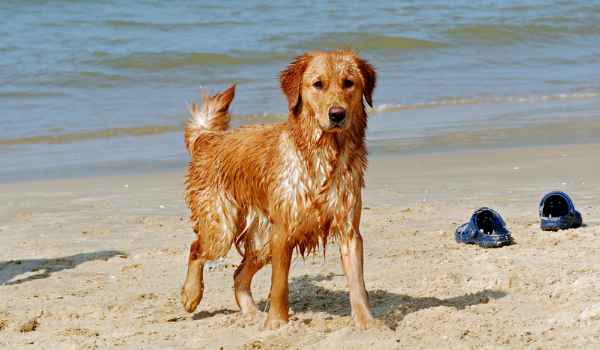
(337, 114)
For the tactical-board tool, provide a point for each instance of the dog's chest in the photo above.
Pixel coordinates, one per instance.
(314, 185)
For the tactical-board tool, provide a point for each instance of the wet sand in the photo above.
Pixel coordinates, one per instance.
(98, 263)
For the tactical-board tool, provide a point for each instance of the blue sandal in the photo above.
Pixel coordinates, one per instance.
(486, 229)
(557, 212)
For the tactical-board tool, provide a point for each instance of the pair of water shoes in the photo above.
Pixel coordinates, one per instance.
(487, 229)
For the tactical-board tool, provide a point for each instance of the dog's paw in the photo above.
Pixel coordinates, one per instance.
(274, 324)
(190, 297)
(365, 324)
(252, 315)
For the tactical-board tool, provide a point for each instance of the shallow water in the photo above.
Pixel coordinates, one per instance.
(99, 88)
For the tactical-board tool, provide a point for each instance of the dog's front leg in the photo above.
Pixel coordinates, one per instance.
(193, 288)
(351, 252)
(281, 251)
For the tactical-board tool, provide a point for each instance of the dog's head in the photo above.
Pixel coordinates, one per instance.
(330, 85)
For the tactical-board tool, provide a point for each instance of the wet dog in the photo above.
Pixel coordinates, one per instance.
(275, 188)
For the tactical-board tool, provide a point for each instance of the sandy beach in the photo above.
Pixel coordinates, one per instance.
(98, 263)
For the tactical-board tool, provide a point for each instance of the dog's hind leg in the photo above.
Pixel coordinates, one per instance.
(242, 279)
(193, 288)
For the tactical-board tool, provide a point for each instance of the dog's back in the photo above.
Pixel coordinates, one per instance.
(230, 175)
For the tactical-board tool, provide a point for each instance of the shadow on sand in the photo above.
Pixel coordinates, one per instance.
(388, 308)
(43, 268)
(208, 314)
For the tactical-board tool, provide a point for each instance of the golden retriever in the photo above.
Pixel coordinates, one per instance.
(274, 188)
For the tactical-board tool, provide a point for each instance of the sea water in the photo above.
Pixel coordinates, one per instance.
(96, 88)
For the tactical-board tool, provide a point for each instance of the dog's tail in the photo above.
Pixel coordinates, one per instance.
(213, 116)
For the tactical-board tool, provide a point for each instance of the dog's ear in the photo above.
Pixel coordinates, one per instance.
(369, 79)
(291, 80)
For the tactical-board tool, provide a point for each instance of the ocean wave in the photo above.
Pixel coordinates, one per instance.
(367, 42)
(466, 101)
(167, 60)
(169, 26)
(106, 133)
(497, 33)
(236, 121)
(553, 30)
(262, 118)
(70, 79)
(85, 78)
(172, 60)
(30, 95)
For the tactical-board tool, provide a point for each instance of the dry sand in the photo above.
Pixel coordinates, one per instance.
(98, 263)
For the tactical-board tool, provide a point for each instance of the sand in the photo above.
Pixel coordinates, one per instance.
(98, 263)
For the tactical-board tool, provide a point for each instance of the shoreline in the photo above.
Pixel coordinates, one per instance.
(444, 129)
(98, 262)
(136, 170)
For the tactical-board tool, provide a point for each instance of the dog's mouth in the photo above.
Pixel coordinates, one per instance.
(333, 126)
(338, 126)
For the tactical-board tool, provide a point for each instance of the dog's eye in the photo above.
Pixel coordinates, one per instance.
(348, 83)
(318, 85)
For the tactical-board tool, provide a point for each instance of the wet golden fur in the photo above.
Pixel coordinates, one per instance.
(272, 189)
